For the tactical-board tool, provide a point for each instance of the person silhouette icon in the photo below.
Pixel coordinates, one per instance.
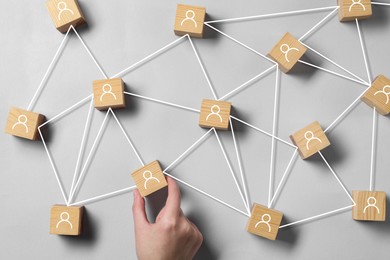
(62, 7)
(215, 110)
(265, 222)
(22, 120)
(371, 202)
(148, 178)
(385, 91)
(64, 219)
(190, 15)
(285, 49)
(107, 89)
(309, 136)
(356, 2)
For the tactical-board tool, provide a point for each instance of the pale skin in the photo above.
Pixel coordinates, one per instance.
(172, 237)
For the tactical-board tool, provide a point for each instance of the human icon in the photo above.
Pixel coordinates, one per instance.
(385, 91)
(107, 89)
(190, 15)
(371, 202)
(151, 177)
(215, 109)
(285, 48)
(62, 7)
(309, 136)
(22, 120)
(356, 2)
(264, 221)
(64, 219)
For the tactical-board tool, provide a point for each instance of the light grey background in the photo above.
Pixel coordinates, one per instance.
(122, 32)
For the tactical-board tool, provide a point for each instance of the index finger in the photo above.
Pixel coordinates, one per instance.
(172, 206)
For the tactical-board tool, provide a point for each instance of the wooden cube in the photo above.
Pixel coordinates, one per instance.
(370, 205)
(109, 93)
(354, 9)
(149, 178)
(189, 20)
(310, 140)
(66, 220)
(264, 222)
(287, 52)
(215, 113)
(65, 13)
(378, 95)
(23, 123)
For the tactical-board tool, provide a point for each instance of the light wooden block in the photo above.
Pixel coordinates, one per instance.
(23, 123)
(189, 20)
(109, 93)
(264, 222)
(378, 95)
(66, 220)
(65, 13)
(287, 52)
(149, 178)
(354, 9)
(215, 113)
(310, 140)
(370, 205)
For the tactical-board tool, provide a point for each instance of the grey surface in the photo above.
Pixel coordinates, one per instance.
(123, 32)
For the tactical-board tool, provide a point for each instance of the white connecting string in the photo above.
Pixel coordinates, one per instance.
(148, 57)
(378, 3)
(272, 15)
(316, 217)
(53, 61)
(334, 63)
(208, 195)
(83, 142)
(163, 102)
(189, 149)
(333, 124)
(364, 52)
(53, 167)
(89, 52)
(258, 76)
(262, 131)
(202, 67)
(89, 157)
(242, 44)
(318, 24)
(231, 171)
(274, 123)
(127, 138)
(285, 174)
(373, 149)
(239, 163)
(337, 178)
(331, 72)
(107, 195)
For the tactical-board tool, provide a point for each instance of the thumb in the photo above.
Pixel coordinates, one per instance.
(139, 213)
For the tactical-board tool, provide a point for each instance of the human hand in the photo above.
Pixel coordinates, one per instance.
(172, 237)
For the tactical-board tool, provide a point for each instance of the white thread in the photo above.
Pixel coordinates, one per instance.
(373, 149)
(247, 82)
(364, 52)
(318, 24)
(378, 3)
(100, 197)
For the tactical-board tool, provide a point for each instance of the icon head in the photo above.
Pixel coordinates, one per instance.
(22, 119)
(371, 201)
(309, 135)
(147, 175)
(356, 1)
(190, 14)
(266, 218)
(66, 218)
(107, 88)
(386, 90)
(215, 109)
(61, 6)
(284, 48)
